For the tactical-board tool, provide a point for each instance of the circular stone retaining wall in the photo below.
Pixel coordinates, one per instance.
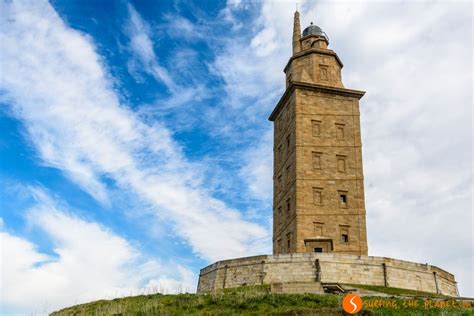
(304, 268)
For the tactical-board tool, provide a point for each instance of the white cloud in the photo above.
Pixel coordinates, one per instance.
(182, 28)
(249, 69)
(257, 169)
(251, 64)
(56, 85)
(143, 59)
(89, 262)
(142, 46)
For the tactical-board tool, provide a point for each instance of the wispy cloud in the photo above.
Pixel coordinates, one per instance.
(141, 46)
(88, 262)
(143, 59)
(56, 84)
(182, 28)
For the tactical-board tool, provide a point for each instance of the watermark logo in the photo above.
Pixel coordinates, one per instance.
(351, 303)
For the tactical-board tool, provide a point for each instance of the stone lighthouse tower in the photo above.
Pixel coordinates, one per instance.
(318, 202)
(319, 229)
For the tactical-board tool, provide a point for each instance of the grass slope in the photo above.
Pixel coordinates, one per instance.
(248, 301)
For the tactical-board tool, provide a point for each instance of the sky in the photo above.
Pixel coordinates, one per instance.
(135, 147)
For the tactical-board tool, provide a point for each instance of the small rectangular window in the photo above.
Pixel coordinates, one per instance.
(343, 199)
(279, 221)
(344, 234)
(316, 128)
(288, 207)
(279, 246)
(316, 160)
(341, 163)
(279, 155)
(318, 249)
(344, 238)
(340, 133)
(318, 196)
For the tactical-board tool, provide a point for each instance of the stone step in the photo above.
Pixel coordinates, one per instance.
(297, 287)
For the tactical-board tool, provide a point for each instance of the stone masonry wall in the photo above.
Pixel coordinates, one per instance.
(301, 268)
(336, 171)
(284, 189)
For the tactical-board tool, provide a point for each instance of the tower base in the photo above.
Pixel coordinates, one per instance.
(291, 271)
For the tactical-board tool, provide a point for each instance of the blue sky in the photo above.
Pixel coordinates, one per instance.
(135, 147)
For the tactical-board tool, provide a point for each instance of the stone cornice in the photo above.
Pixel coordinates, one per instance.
(315, 87)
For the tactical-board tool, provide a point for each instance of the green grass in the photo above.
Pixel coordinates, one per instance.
(228, 302)
(248, 301)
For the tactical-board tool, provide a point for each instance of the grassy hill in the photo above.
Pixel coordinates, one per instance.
(254, 301)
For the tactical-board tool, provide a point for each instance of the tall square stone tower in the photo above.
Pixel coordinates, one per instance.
(318, 202)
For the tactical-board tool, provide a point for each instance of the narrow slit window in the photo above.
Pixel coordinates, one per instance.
(288, 207)
(287, 172)
(288, 241)
(288, 143)
(344, 234)
(343, 199)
